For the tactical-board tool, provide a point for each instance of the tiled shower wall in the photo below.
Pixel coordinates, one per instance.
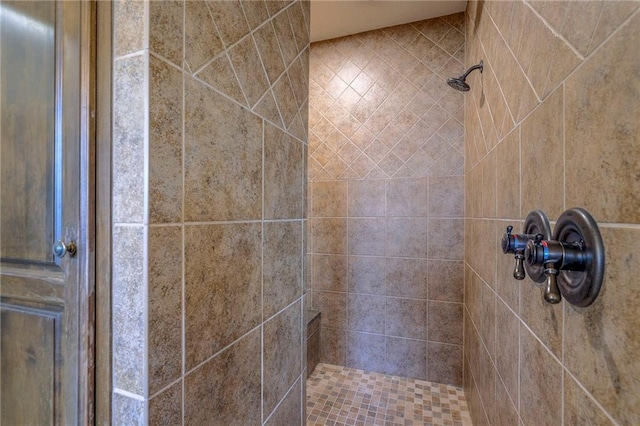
(386, 199)
(209, 151)
(551, 124)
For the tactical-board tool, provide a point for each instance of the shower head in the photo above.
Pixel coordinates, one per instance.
(459, 83)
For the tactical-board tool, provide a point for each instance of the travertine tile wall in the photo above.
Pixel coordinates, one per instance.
(386, 194)
(209, 152)
(551, 124)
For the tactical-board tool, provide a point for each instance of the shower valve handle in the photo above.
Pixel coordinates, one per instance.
(554, 256)
(551, 291)
(518, 271)
(516, 244)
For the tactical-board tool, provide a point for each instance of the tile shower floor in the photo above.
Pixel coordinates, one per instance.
(346, 396)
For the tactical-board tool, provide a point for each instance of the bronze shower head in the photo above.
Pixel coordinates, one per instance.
(459, 83)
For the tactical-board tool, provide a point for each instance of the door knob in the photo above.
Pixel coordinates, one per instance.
(60, 248)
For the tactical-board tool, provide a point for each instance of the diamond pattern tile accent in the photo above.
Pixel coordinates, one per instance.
(257, 57)
(379, 101)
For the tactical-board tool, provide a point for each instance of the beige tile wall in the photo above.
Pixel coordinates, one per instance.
(210, 144)
(552, 123)
(386, 199)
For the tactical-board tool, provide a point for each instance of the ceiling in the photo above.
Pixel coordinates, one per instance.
(337, 18)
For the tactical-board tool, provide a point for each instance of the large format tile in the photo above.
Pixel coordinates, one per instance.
(445, 239)
(542, 157)
(508, 176)
(365, 351)
(230, 20)
(407, 197)
(219, 75)
(223, 287)
(283, 175)
(544, 319)
(165, 306)
(366, 198)
(128, 19)
(226, 389)
(127, 411)
(602, 341)
(328, 236)
(282, 355)
(444, 363)
(128, 309)
(223, 158)
(445, 322)
(282, 265)
(446, 280)
(406, 358)
(289, 412)
(364, 313)
(201, 40)
(165, 142)
(166, 408)
(366, 236)
(248, 68)
(333, 306)
(406, 237)
(446, 196)
(602, 130)
(267, 44)
(329, 272)
(578, 406)
(366, 275)
(128, 140)
(329, 199)
(507, 342)
(406, 318)
(166, 29)
(406, 277)
(540, 382)
(333, 345)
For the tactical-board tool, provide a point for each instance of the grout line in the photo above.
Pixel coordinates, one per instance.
(130, 55)
(519, 346)
(564, 145)
(163, 389)
(520, 171)
(247, 104)
(262, 351)
(146, 213)
(556, 33)
(221, 351)
(183, 284)
(562, 363)
(591, 397)
(595, 28)
(128, 394)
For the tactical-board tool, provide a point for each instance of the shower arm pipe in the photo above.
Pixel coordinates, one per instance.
(479, 66)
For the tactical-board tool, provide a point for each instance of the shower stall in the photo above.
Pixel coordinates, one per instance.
(348, 177)
(412, 184)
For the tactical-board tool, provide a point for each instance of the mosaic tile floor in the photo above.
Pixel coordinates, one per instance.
(346, 396)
